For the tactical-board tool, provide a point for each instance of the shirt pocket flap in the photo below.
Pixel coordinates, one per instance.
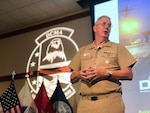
(86, 56)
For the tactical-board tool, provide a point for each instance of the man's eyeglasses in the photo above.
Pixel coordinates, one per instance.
(104, 24)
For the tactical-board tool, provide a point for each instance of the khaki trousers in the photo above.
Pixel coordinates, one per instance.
(108, 103)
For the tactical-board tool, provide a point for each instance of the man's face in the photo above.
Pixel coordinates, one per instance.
(102, 27)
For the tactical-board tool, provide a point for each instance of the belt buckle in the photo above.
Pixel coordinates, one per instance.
(94, 98)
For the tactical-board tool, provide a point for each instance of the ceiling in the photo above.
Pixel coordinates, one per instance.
(19, 14)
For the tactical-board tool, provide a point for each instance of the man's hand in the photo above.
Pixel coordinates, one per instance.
(91, 74)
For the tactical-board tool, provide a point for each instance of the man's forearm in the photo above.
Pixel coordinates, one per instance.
(74, 77)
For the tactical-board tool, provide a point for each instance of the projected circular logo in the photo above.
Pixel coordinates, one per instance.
(55, 48)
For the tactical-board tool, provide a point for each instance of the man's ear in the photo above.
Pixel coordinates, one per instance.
(94, 28)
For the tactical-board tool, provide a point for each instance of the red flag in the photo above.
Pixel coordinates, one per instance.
(42, 101)
(9, 100)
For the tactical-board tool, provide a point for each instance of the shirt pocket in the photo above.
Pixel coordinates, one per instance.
(86, 60)
(110, 57)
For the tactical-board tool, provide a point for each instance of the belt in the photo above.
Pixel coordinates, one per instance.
(98, 96)
(93, 98)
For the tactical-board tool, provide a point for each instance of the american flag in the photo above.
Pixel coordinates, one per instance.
(9, 100)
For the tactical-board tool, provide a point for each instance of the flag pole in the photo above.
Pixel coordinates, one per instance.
(13, 74)
(57, 78)
(43, 79)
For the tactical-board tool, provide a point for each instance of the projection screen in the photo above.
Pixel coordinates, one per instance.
(131, 27)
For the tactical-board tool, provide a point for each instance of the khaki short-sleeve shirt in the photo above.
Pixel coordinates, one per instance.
(110, 56)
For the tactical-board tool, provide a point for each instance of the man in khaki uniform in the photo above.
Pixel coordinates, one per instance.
(100, 65)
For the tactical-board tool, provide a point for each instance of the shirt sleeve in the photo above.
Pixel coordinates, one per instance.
(125, 58)
(75, 63)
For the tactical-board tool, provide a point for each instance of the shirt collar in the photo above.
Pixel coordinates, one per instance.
(107, 44)
(93, 46)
